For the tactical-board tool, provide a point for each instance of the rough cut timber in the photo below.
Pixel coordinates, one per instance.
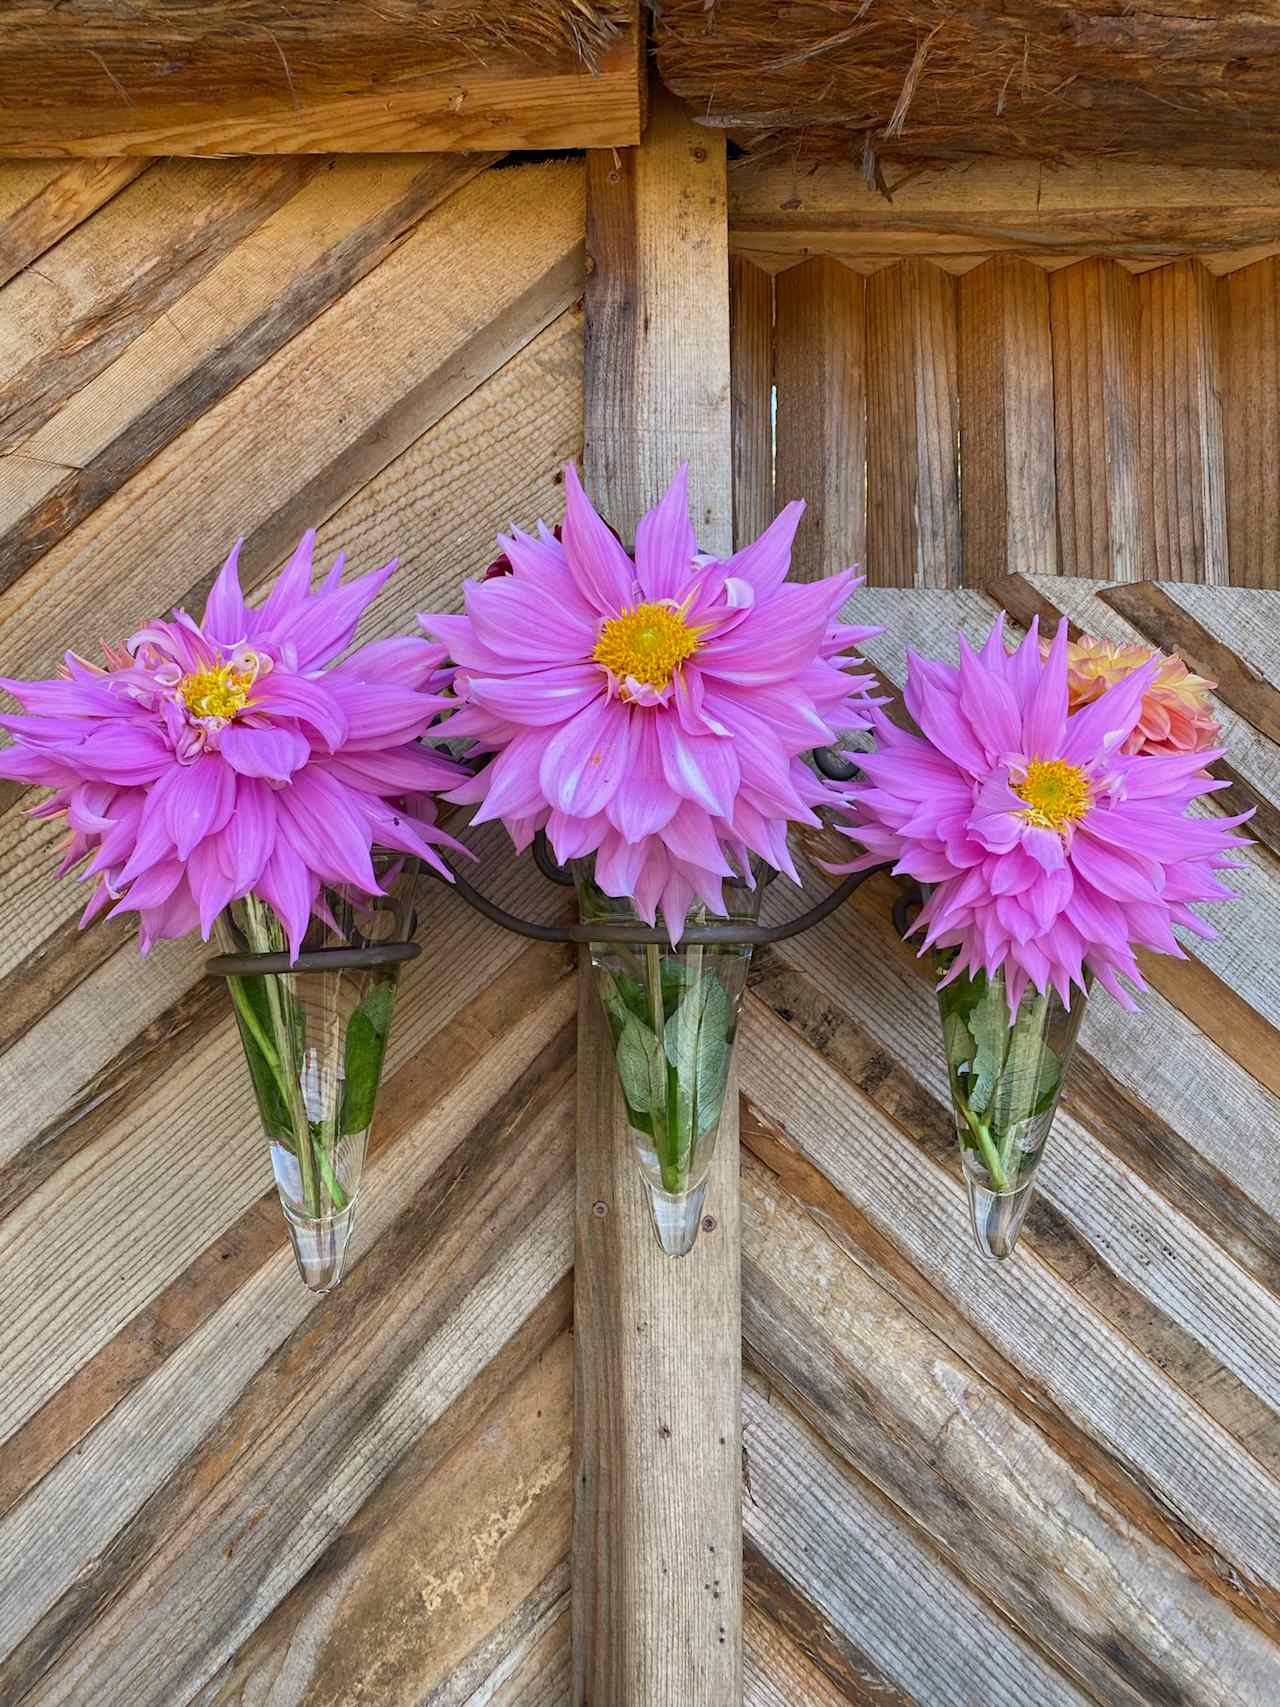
(783, 209)
(935, 80)
(305, 76)
(657, 1551)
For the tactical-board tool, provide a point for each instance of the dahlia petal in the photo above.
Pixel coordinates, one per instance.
(283, 695)
(542, 697)
(291, 586)
(325, 827)
(274, 753)
(1045, 718)
(522, 629)
(764, 563)
(245, 842)
(1125, 876)
(287, 886)
(1101, 726)
(325, 624)
(602, 569)
(587, 758)
(702, 768)
(224, 614)
(198, 802)
(665, 542)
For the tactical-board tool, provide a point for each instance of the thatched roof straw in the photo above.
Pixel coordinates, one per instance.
(193, 51)
(932, 80)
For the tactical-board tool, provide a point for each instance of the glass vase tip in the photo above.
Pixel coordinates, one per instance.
(676, 1217)
(320, 1246)
(997, 1216)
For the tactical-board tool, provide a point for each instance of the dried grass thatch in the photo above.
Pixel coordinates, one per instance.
(1197, 83)
(63, 51)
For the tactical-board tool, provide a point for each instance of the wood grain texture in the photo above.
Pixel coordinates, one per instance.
(751, 385)
(789, 209)
(913, 484)
(1180, 424)
(58, 207)
(1249, 329)
(1006, 422)
(820, 367)
(657, 1518)
(300, 79)
(1093, 312)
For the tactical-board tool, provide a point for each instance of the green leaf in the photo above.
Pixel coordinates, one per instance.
(366, 1045)
(1031, 1070)
(989, 1024)
(696, 1039)
(616, 1009)
(641, 1068)
(960, 1045)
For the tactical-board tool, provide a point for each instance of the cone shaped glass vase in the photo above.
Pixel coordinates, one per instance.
(1006, 1078)
(315, 1041)
(673, 1017)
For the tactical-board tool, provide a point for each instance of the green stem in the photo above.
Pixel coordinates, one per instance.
(266, 937)
(673, 1176)
(990, 1154)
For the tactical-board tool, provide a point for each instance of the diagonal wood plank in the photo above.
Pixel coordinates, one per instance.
(76, 192)
(111, 1207)
(64, 321)
(81, 1504)
(424, 1084)
(831, 1535)
(1128, 1620)
(454, 1561)
(321, 1423)
(170, 376)
(1040, 1323)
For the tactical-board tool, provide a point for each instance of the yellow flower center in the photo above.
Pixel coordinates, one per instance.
(219, 692)
(648, 643)
(1056, 793)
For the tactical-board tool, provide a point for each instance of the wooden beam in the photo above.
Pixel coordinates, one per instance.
(820, 333)
(783, 211)
(657, 1557)
(310, 78)
(1006, 422)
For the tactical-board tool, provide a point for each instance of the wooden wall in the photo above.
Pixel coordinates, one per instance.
(213, 1485)
(1057, 1484)
(1010, 369)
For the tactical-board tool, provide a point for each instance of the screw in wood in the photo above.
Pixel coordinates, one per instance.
(599, 1208)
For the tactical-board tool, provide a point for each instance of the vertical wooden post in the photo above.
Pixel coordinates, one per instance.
(913, 487)
(1180, 423)
(751, 359)
(1094, 312)
(1008, 494)
(1250, 320)
(657, 1556)
(820, 361)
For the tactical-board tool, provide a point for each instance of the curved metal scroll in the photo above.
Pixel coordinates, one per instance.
(318, 960)
(729, 931)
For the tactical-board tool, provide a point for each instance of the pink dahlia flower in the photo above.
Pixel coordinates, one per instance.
(651, 711)
(213, 759)
(1176, 715)
(1052, 850)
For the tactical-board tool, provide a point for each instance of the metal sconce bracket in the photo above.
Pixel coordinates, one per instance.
(829, 762)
